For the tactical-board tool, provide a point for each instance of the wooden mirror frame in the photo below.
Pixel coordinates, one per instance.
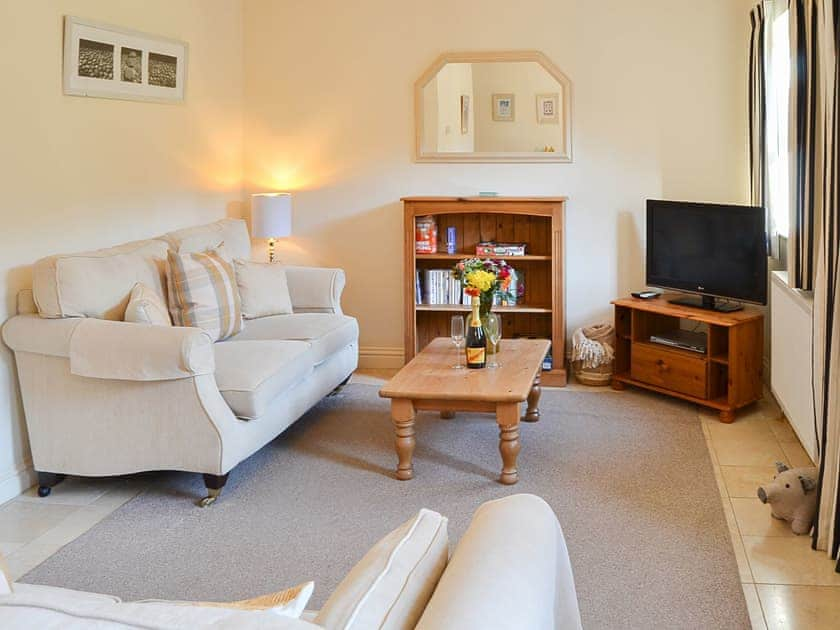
(563, 154)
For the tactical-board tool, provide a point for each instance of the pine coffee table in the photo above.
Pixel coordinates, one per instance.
(429, 382)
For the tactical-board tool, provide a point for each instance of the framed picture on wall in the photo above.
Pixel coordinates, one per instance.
(504, 108)
(112, 62)
(547, 110)
(465, 114)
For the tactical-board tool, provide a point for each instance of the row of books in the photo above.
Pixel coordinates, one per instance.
(437, 286)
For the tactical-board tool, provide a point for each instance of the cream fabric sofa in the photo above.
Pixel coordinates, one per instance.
(105, 397)
(510, 570)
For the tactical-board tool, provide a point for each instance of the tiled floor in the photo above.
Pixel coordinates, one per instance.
(786, 584)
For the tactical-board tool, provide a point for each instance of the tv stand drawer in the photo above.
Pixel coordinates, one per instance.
(676, 371)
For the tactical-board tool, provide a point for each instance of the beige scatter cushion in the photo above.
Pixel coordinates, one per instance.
(389, 588)
(200, 238)
(288, 603)
(203, 293)
(98, 283)
(263, 289)
(145, 306)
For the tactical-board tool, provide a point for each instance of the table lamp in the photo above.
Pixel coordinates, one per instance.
(271, 218)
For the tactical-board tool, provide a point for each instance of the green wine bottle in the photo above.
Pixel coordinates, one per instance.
(476, 343)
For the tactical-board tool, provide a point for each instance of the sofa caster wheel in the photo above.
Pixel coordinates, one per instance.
(208, 501)
(214, 485)
(46, 481)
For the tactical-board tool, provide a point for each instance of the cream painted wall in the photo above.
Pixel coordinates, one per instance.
(659, 110)
(81, 173)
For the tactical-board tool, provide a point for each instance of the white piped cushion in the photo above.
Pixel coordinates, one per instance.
(97, 283)
(389, 588)
(263, 289)
(195, 240)
(327, 333)
(251, 374)
(145, 306)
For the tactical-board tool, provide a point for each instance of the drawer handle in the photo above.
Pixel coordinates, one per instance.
(663, 367)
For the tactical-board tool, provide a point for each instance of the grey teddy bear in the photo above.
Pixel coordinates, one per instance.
(792, 496)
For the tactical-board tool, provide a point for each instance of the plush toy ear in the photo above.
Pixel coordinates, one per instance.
(808, 484)
(780, 467)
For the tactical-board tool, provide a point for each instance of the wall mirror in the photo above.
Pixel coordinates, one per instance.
(493, 107)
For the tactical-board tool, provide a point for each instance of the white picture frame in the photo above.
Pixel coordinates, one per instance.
(106, 61)
(504, 107)
(548, 109)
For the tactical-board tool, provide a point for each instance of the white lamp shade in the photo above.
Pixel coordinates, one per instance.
(271, 215)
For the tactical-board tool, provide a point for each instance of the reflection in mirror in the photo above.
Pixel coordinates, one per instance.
(493, 110)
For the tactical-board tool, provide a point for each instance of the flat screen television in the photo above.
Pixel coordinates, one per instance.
(711, 250)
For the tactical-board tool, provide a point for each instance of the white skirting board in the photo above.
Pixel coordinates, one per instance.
(15, 482)
(791, 338)
(381, 357)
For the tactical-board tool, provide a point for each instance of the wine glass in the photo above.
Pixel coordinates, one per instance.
(493, 328)
(457, 333)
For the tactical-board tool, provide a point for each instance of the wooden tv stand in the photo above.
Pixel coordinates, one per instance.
(727, 377)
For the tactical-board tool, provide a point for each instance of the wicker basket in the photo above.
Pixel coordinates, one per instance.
(595, 377)
(593, 345)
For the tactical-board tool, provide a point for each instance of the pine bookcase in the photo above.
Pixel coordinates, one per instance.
(536, 221)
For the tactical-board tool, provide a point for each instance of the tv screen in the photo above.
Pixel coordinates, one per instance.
(708, 249)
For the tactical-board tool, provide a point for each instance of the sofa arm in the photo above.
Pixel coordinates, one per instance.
(31, 333)
(138, 352)
(315, 289)
(510, 570)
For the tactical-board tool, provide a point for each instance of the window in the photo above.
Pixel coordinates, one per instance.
(777, 56)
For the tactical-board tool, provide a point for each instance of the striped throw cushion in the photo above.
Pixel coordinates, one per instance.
(203, 293)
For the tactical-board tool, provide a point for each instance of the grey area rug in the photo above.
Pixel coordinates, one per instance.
(628, 475)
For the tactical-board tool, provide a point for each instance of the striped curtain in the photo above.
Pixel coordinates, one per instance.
(804, 95)
(758, 109)
(826, 534)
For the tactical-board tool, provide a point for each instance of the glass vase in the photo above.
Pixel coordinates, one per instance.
(485, 306)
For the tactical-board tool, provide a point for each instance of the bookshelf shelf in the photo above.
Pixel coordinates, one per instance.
(455, 308)
(511, 259)
(535, 221)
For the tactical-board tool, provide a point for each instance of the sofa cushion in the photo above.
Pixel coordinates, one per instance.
(251, 374)
(28, 610)
(326, 332)
(203, 293)
(58, 595)
(263, 289)
(232, 232)
(389, 588)
(97, 283)
(145, 306)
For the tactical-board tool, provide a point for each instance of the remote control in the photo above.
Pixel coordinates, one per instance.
(645, 295)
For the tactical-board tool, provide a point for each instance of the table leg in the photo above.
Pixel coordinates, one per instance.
(507, 416)
(533, 412)
(402, 416)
